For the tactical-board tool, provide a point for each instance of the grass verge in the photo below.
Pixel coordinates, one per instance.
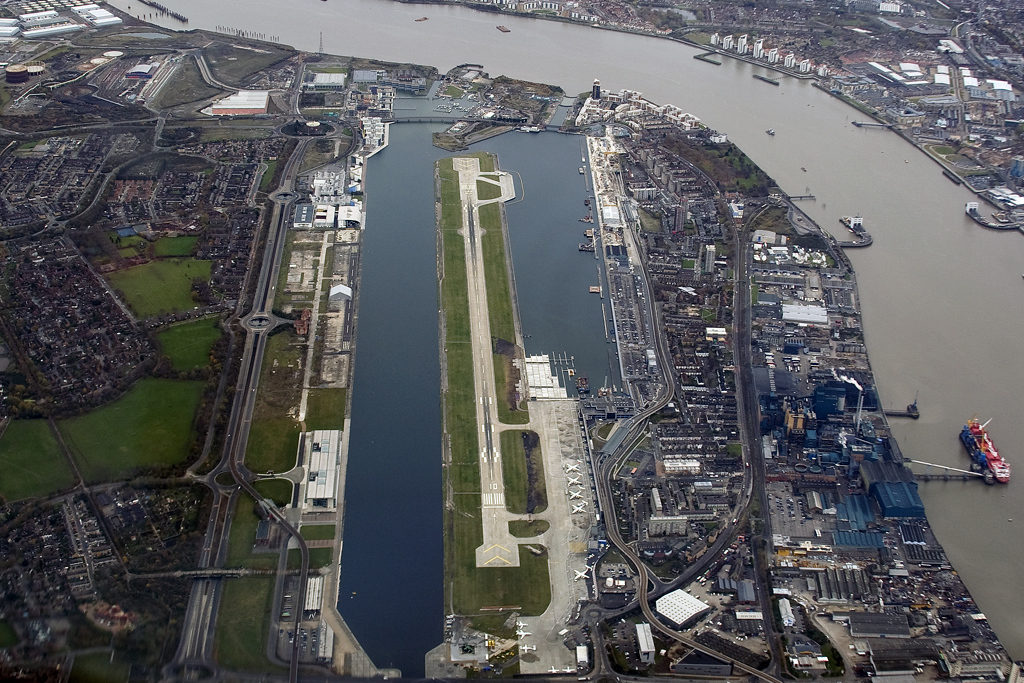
(277, 490)
(243, 622)
(317, 532)
(523, 471)
(522, 528)
(243, 536)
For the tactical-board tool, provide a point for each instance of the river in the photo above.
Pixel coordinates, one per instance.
(942, 298)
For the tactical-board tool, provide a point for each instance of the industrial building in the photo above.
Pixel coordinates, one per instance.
(874, 625)
(314, 596)
(323, 458)
(786, 611)
(96, 15)
(326, 82)
(700, 664)
(645, 643)
(338, 295)
(302, 219)
(325, 216)
(33, 19)
(242, 103)
(51, 30)
(680, 607)
(143, 71)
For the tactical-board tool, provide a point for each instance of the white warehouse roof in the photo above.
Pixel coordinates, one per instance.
(679, 606)
(800, 313)
(324, 459)
(245, 99)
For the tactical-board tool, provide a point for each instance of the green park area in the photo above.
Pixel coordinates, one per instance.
(161, 286)
(470, 589)
(188, 344)
(148, 427)
(174, 246)
(31, 462)
(243, 622)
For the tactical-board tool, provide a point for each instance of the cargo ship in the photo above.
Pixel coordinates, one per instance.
(984, 456)
(504, 29)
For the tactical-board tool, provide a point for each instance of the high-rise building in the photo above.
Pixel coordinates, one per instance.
(790, 61)
(679, 220)
(741, 44)
(595, 92)
(805, 66)
(709, 258)
(773, 56)
(759, 48)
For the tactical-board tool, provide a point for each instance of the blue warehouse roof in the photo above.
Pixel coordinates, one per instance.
(898, 499)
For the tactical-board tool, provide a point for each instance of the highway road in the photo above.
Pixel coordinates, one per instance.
(194, 656)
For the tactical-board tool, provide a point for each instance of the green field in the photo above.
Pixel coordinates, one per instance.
(150, 426)
(520, 489)
(7, 635)
(231, 62)
(243, 623)
(274, 436)
(162, 286)
(243, 536)
(277, 490)
(31, 461)
(273, 445)
(267, 179)
(96, 667)
(318, 557)
(174, 246)
(468, 588)
(188, 344)
(317, 532)
(186, 86)
(486, 190)
(325, 409)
